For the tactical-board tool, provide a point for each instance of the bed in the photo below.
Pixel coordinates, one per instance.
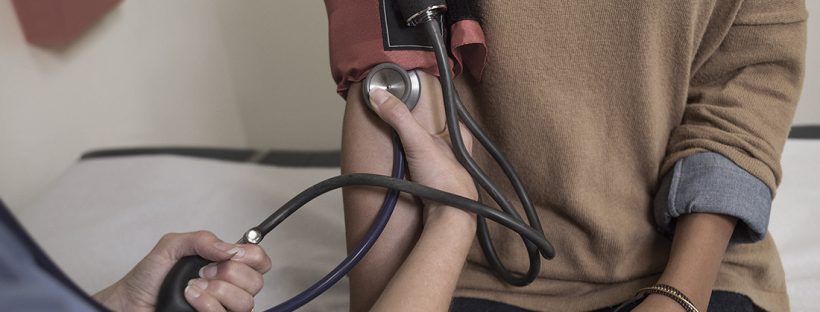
(110, 208)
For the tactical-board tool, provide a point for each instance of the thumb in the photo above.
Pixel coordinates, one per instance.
(396, 114)
(202, 243)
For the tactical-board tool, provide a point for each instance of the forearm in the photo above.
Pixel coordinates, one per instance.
(698, 247)
(367, 147)
(427, 279)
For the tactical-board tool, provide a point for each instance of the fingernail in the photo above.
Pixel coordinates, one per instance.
(201, 284)
(208, 271)
(192, 291)
(225, 246)
(379, 96)
(237, 252)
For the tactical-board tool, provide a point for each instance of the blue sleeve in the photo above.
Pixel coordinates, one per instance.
(25, 286)
(711, 183)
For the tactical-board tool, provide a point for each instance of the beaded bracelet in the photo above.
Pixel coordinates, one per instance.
(671, 292)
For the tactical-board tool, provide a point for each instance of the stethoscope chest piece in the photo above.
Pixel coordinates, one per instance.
(403, 84)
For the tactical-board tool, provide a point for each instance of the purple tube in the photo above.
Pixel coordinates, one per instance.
(358, 253)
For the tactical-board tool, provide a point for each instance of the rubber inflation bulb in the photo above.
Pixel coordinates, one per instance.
(171, 297)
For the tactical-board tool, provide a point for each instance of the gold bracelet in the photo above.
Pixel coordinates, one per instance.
(671, 292)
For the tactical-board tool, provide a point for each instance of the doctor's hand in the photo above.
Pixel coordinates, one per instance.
(429, 155)
(229, 283)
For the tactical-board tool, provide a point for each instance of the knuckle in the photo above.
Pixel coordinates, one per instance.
(257, 284)
(267, 265)
(211, 305)
(168, 237)
(227, 270)
(257, 258)
(167, 241)
(246, 303)
(202, 235)
(217, 288)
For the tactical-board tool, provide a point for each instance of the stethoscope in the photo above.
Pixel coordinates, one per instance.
(406, 86)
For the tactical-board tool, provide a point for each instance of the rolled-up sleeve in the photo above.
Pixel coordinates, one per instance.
(742, 98)
(711, 183)
(741, 101)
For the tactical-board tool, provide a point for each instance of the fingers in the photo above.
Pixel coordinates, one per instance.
(202, 243)
(206, 245)
(235, 273)
(395, 113)
(217, 296)
(254, 257)
(413, 135)
(228, 283)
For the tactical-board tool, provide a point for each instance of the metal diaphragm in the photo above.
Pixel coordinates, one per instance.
(403, 84)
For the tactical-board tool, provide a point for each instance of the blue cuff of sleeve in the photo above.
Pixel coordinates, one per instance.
(711, 183)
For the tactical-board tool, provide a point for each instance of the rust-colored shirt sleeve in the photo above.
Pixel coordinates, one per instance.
(357, 44)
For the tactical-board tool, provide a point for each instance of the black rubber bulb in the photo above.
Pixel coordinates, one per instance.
(171, 297)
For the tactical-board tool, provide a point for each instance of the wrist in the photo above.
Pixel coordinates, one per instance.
(698, 292)
(658, 302)
(697, 252)
(110, 297)
(457, 225)
(458, 219)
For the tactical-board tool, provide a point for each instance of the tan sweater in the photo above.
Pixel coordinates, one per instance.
(593, 101)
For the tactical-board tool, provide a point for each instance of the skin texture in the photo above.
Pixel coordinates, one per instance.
(427, 279)
(227, 284)
(698, 247)
(366, 147)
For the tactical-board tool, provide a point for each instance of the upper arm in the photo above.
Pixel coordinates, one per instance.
(744, 89)
(724, 157)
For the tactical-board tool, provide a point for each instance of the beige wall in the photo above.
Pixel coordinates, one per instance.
(188, 72)
(808, 111)
(279, 55)
(151, 73)
(183, 72)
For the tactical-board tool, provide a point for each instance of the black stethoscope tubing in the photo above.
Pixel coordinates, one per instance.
(171, 295)
(453, 110)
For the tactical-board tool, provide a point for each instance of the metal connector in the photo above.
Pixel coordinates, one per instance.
(426, 15)
(252, 236)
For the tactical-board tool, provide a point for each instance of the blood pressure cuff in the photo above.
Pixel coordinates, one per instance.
(366, 33)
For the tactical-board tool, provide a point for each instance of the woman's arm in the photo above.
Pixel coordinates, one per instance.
(367, 148)
(697, 251)
(741, 99)
(427, 279)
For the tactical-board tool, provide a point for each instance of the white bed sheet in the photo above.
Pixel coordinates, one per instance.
(103, 215)
(795, 222)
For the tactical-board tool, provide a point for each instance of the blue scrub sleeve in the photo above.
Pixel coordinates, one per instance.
(30, 282)
(711, 183)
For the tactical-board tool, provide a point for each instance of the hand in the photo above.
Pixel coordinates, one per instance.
(430, 272)
(429, 156)
(227, 284)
